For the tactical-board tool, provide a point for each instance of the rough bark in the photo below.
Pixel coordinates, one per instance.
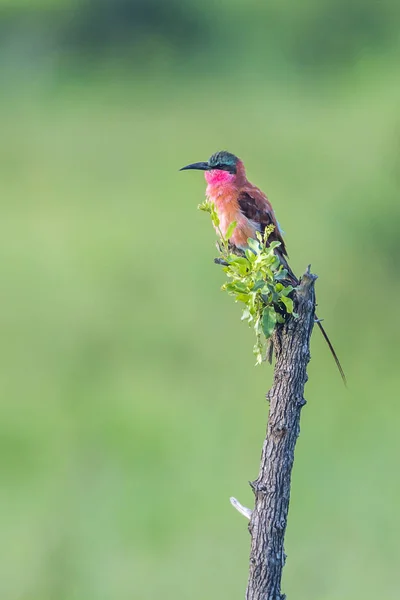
(272, 487)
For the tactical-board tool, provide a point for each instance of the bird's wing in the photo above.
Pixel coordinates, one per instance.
(255, 207)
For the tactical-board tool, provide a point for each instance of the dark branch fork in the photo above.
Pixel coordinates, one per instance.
(268, 520)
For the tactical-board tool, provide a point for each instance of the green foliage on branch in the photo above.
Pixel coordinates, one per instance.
(255, 279)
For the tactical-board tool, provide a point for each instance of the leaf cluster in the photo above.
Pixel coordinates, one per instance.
(256, 279)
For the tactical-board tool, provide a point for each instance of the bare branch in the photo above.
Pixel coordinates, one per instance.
(272, 487)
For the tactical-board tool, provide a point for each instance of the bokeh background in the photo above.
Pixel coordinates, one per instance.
(131, 408)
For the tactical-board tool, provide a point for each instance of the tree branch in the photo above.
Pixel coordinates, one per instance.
(272, 487)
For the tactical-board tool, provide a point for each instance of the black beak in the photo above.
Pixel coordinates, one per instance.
(200, 166)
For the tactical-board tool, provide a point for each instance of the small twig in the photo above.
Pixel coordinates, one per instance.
(246, 512)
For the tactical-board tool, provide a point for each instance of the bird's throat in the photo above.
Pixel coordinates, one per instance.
(218, 177)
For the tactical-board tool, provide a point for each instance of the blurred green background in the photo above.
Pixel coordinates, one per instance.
(131, 408)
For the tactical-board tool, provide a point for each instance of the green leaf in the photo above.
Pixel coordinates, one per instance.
(268, 321)
(259, 284)
(288, 302)
(282, 274)
(238, 286)
(254, 245)
(274, 245)
(238, 265)
(242, 298)
(230, 230)
(234, 259)
(268, 299)
(233, 290)
(251, 257)
(287, 290)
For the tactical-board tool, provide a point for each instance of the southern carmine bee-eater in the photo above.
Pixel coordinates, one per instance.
(236, 199)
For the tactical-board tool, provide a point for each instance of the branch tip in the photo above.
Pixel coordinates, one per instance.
(306, 282)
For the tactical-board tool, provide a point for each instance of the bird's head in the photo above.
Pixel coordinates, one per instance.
(221, 167)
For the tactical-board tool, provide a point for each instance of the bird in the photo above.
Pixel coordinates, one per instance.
(236, 199)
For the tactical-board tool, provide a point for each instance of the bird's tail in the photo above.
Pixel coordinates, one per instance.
(331, 348)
